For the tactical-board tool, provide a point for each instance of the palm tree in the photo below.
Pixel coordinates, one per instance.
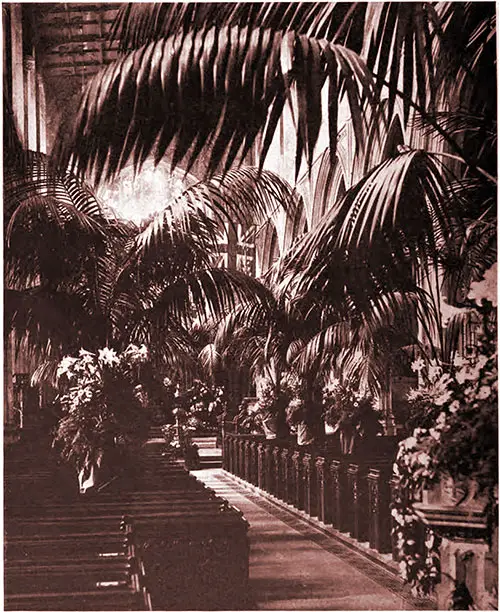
(77, 277)
(418, 222)
(57, 241)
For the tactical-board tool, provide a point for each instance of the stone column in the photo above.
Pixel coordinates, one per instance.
(16, 25)
(30, 116)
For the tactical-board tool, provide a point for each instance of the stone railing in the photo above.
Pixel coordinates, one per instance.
(351, 493)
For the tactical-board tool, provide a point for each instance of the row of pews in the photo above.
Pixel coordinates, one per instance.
(155, 538)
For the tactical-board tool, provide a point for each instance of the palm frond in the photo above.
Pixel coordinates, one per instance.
(140, 24)
(213, 90)
(246, 195)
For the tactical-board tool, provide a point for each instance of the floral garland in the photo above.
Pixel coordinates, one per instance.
(456, 407)
(418, 565)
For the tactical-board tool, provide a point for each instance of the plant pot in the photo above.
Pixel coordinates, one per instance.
(269, 427)
(347, 438)
(89, 476)
(191, 457)
(304, 435)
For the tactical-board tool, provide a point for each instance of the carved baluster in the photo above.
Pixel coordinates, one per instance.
(236, 456)
(338, 496)
(352, 490)
(323, 497)
(241, 457)
(378, 502)
(357, 485)
(286, 475)
(254, 470)
(230, 454)
(225, 453)
(298, 501)
(246, 451)
(260, 465)
(395, 493)
(309, 483)
(268, 469)
(278, 486)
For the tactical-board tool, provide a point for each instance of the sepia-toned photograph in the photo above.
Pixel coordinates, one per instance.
(250, 306)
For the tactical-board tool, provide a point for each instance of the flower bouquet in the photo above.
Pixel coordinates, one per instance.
(104, 414)
(351, 412)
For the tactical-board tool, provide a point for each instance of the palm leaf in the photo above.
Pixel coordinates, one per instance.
(128, 91)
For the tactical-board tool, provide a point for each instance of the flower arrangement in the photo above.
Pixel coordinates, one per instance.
(344, 407)
(456, 410)
(103, 403)
(202, 404)
(179, 438)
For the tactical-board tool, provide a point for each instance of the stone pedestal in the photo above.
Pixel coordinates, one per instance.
(466, 558)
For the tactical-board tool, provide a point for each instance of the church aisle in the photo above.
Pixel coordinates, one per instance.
(294, 567)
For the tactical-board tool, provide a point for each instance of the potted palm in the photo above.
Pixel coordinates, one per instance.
(104, 413)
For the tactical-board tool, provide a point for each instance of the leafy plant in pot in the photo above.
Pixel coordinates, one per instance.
(260, 416)
(104, 411)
